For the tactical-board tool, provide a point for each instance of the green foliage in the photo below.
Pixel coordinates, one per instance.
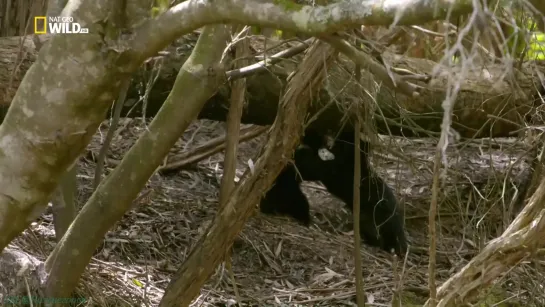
(410, 299)
(137, 283)
(523, 41)
(497, 297)
(256, 30)
(288, 5)
(537, 46)
(160, 7)
(279, 34)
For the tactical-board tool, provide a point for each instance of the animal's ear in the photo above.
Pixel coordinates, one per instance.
(313, 139)
(329, 140)
(325, 154)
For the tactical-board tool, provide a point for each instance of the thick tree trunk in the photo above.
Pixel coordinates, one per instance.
(486, 106)
(51, 120)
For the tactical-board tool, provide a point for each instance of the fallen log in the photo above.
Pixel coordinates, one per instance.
(487, 105)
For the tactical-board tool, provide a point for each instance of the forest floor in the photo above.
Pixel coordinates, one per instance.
(279, 262)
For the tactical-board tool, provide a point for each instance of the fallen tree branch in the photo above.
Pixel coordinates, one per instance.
(502, 112)
(206, 150)
(269, 61)
(518, 242)
(365, 61)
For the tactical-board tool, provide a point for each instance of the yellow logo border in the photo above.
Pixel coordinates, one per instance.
(44, 31)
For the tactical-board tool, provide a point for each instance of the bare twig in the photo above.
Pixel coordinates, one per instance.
(262, 65)
(109, 136)
(360, 295)
(432, 231)
(230, 160)
(156, 70)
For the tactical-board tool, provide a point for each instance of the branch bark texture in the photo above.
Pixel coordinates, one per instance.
(285, 133)
(52, 118)
(200, 76)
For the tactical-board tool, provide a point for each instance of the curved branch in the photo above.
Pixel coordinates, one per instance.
(519, 241)
(190, 15)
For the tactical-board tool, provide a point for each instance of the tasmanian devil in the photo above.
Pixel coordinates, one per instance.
(332, 163)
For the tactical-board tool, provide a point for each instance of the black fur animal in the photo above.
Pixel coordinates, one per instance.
(381, 219)
(286, 198)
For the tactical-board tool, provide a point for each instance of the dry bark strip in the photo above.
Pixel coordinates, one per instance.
(284, 136)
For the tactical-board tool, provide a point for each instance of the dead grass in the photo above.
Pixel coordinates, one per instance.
(277, 261)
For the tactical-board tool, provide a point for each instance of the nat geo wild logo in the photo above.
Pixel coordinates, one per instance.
(57, 25)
